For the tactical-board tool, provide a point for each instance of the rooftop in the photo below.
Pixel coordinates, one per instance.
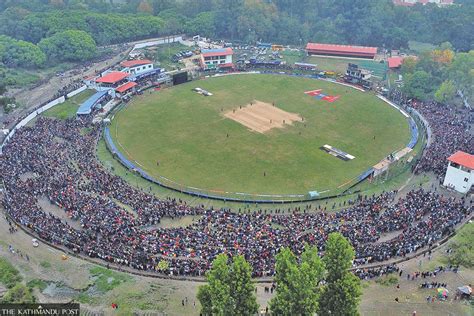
(126, 86)
(112, 77)
(217, 52)
(463, 159)
(136, 62)
(86, 106)
(395, 62)
(341, 48)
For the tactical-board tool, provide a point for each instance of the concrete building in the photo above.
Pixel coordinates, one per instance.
(136, 67)
(217, 58)
(459, 174)
(110, 80)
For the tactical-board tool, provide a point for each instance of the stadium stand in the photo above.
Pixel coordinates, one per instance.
(86, 107)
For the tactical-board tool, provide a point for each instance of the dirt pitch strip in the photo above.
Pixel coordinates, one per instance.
(262, 117)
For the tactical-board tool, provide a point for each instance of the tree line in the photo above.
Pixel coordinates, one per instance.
(307, 285)
(45, 27)
(439, 75)
(36, 33)
(364, 22)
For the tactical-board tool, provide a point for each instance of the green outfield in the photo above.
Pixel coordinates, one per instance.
(69, 108)
(196, 146)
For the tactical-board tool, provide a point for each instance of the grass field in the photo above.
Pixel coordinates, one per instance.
(187, 134)
(162, 55)
(69, 108)
(339, 65)
(420, 47)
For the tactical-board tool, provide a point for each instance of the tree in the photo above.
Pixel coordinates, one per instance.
(229, 13)
(22, 54)
(418, 85)
(18, 294)
(443, 56)
(145, 7)
(461, 73)
(242, 288)
(69, 45)
(446, 92)
(230, 290)
(173, 21)
(203, 24)
(298, 289)
(409, 65)
(3, 88)
(341, 294)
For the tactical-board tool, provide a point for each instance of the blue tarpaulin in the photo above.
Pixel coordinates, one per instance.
(86, 107)
(414, 134)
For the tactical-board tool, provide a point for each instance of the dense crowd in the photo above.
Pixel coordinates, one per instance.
(451, 128)
(109, 219)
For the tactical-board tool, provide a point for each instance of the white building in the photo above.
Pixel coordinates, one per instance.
(460, 175)
(217, 58)
(137, 66)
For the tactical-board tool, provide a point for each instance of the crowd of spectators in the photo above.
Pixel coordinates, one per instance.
(451, 128)
(109, 219)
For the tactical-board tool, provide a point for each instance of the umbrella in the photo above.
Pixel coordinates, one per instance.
(465, 289)
(442, 291)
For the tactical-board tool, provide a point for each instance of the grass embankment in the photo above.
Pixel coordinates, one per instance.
(68, 108)
(162, 54)
(11, 279)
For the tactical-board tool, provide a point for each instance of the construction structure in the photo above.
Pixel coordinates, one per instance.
(358, 76)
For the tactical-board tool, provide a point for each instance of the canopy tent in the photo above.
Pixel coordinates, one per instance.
(466, 289)
(86, 107)
(442, 292)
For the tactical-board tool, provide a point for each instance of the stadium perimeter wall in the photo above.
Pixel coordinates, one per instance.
(37, 112)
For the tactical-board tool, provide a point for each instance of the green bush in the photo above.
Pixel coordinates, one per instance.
(9, 276)
(18, 294)
(106, 279)
(388, 280)
(463, 247)
(40, 284)
(45, 264)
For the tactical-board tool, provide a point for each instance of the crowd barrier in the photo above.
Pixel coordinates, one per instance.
(414, 134)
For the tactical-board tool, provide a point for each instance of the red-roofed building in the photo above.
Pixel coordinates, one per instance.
(460, 172)
(136, 67)
(126, 87)
(213, 58)
(112, 77)
(395, 62)
(341, 50)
